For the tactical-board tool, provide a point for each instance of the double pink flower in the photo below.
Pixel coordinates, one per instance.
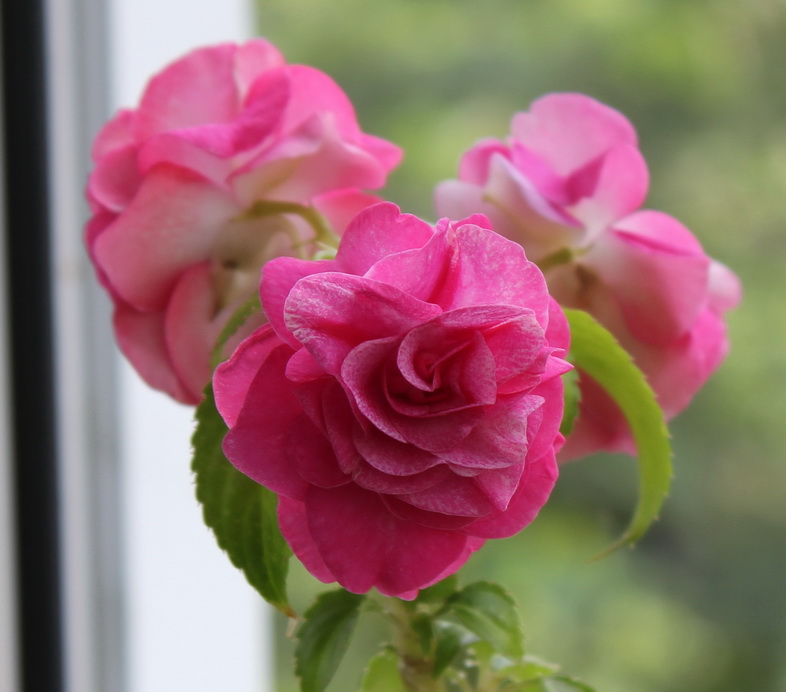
(404, 400)
(195, 189)
(568, 185)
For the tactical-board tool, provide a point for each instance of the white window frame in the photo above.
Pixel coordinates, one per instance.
(150, 603)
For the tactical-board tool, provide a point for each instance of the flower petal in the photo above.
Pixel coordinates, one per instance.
(398, 556)
(331, 313)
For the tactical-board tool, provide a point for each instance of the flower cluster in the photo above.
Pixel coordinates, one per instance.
(568, 186)
(188, 189)
(399, 390)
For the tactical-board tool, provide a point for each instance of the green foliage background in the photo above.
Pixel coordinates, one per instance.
(700, 604)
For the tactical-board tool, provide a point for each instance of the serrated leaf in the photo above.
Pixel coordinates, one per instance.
(595, 351)
(572, 398)
(241, 513)
(489, 611)
(423, 627)
(438, 592)
(324, 636)
(449, 640)
(382, 674)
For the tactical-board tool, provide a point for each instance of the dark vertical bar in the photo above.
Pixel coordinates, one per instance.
(30, 337)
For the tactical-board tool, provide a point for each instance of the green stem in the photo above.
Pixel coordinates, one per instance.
(323, 234)
(414, 666)
(562, 256)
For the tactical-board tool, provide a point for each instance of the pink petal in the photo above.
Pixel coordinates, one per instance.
(388, 455)
(487, 268)
(475, 164)
(376, 233)
(170, 148)
(140, 337)
(397, 557)
(170, 225)
(501, 440)
(533, 491)
(115, 179)
(331, 313)
(258, 443)
(558, 330)
(618, 189)
(190, 330)
(253, 58)
(419, 271)
(500, 485)
(543, 423)
(196, 89)
(312, 454)
(318, 147)
(116, 134)
(260, 115)
(232, 378)
(421, 517)
(660, 286)
(278, 278)
(368, 477)
(314, 92)
(568, 130)
(387, 154)
(725, 290)
(294, 527)
(454, 496)
(364, 374)
(600, 425)
(677, 371)
(339, 207)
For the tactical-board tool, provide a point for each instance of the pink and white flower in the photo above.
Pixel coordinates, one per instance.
(404, 400)
(568, 185)
(195, 189)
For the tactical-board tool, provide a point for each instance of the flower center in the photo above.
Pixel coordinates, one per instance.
(243, 246)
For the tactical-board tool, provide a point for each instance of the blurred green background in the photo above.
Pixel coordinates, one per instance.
(700, 604)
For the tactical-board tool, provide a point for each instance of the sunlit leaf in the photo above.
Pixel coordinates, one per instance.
(572, 400)
(449, 642)
(596, 352)
(490, 612)
(439, 591)
(323, 637)
(382, 674)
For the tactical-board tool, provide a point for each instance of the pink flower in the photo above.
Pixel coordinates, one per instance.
(404, 400)
(178, 234)
(567, 186)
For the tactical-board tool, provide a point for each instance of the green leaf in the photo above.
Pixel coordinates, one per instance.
(324, 637)
(382, 674)
(423, 627)
(449, 639)
(241, 513)
(438, 592)
(527, 670)
(572, 400)
(596, 352)
(490, 612)
(562, 683)
(235, 322)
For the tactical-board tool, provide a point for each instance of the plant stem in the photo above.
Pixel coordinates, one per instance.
(415, 666)
(323, 234)
(555, 259)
